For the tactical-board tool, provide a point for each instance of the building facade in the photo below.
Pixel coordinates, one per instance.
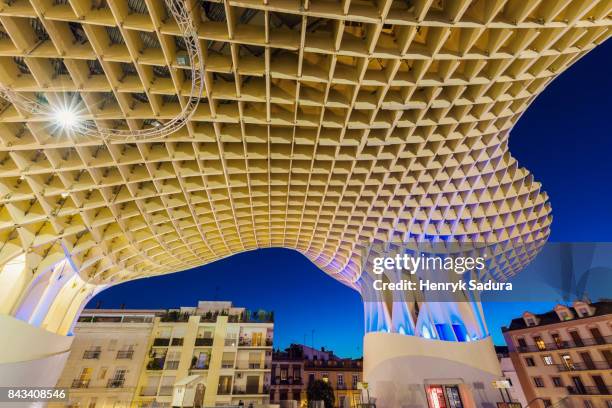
(226, 350)
(105, 362)
(136, 358)
(564, 356)
(297, 366)
(514, 391)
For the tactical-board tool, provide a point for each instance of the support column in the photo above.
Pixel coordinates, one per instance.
(30, 356)
(399, 369)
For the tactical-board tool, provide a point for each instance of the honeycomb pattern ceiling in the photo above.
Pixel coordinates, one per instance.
(323, 126)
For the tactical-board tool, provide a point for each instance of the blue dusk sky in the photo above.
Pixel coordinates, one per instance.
(564, 139)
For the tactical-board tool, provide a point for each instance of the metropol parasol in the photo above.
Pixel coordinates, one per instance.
(140, 138)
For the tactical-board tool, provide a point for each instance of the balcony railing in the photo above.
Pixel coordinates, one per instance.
(115, 383)
(252, 366)
(245, 342)
(80, 384)
(199, 366)
(604, 390)
(165, 390)
(565, 344)
(227, 364)
(92, 354)
(161, 342)
(287, 381)
(248, 390)
(148, 391)
(593, 365)
(203, 341)
(125, 354)
(224, 391)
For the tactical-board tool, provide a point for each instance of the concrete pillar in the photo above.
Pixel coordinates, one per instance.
(399, 368)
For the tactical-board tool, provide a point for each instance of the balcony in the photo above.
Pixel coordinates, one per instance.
(80, 384)
(115, 383)
(161, 342)
(251, 390)
(246, 342)
(199, 366)
(566, 344)
(172, 365)
(148, 391)
(203, 342)
(224, 391)
(230, 342)
(125, 354)
(287, 381)
(593, 365)
(91, 354)
(604, 390)
(245, 365)
(156, 364)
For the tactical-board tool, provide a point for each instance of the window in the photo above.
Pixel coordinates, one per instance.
(530, 321)
(92, 402)
(599, 339)
(340, 380)
(557, 381)
(325, 377)
(588, 403)
(583, 312)
(284, 373)
(557, 339)
(576, 338)
(567, 361)
(297, 372)
(548, 360)
(355, 381)
(530, 362)
(521, 343)
(547, 403)
(538, 381)
(311, 377)
(539, 343)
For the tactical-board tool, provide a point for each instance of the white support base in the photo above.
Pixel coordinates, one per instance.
(398, 368)
(30, 356)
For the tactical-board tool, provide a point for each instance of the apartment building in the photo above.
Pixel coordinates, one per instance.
(137, 358)
(226, 351)
(105, 362)
(564, 356)
(297, 366)
(515, 392)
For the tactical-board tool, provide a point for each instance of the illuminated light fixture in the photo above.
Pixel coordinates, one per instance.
(194, 60)
(66, 118)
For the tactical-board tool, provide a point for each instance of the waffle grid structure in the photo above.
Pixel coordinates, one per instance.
(323, 126)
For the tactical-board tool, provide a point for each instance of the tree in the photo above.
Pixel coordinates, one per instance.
(320, 390)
